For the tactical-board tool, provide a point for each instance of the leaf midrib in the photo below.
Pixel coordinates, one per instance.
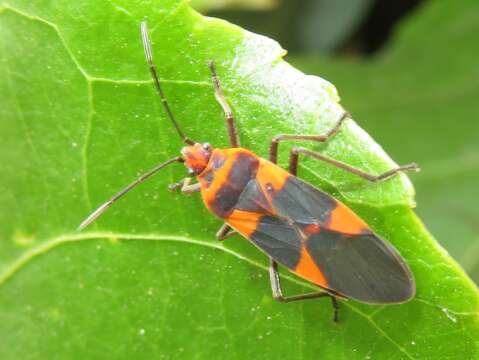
(51, 244)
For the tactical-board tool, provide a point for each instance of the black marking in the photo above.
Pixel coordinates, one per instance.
(225, 200)
(243, 170)
(279, 240)
(303, 203)
(218, 161)
(208, 178)
(361, 267)
(252, 199)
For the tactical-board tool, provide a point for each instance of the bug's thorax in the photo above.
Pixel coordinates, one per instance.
(225, 177)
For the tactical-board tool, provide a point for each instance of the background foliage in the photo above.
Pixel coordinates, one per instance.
(80, 119)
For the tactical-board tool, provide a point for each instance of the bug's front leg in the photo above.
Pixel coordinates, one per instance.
(185, 187)
(220, 97)
(278, 292)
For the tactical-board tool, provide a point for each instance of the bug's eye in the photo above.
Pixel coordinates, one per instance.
(191, 172)
(206, 146)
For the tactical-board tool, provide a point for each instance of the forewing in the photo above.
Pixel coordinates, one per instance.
(254, 218)
(320, 239)
(361, 267)
(278, 239)
(304, 204)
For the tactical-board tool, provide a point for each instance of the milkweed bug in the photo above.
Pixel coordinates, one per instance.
(295, 224)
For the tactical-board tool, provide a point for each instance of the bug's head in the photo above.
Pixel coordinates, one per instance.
(196, 157)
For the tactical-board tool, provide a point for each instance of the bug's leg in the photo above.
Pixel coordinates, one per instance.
(225, 232)
(185, 187)
(220, 97)
(273, 148)
(278, 293)
(294, 158)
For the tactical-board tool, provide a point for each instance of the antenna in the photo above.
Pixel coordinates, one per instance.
(156, 79)
(98, 212)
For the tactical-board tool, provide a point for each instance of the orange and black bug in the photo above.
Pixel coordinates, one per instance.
(295, 224)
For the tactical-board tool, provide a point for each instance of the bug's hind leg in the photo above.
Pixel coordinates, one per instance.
(273, 148)
(225, 232)
(278, 292)
(220, 97)
(296, 151)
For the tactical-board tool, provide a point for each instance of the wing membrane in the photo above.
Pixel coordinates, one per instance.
(362, 267)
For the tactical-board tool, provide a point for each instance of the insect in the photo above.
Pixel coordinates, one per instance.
(294, 223)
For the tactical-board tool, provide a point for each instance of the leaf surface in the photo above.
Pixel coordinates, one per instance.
(81, 119)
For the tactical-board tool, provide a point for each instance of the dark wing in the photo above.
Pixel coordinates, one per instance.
(304, 204)
(323, 241)
(362, 267)
(253, 214)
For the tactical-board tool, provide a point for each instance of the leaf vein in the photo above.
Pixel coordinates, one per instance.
(51, 244)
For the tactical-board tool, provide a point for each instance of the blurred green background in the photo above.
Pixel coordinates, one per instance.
(408, 70)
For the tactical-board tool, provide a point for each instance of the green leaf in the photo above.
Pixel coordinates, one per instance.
(81, 119)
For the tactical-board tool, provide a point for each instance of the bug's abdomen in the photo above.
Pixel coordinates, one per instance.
(230, 172)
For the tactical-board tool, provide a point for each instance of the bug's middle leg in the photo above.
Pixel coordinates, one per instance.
(273, 148)
(278, 292)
